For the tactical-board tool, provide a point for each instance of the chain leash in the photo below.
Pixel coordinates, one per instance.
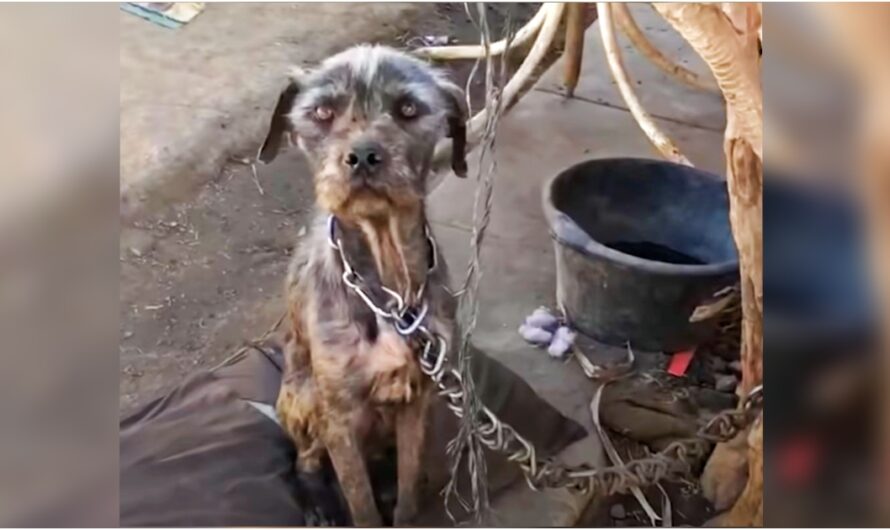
(673, 462)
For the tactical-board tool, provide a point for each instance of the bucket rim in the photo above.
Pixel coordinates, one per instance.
(596, 249)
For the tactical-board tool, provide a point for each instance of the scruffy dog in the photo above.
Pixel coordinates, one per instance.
(368, 120)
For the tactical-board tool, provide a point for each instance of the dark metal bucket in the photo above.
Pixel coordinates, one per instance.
(644, 251)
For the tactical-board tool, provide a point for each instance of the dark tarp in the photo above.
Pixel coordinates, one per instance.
(203, 456)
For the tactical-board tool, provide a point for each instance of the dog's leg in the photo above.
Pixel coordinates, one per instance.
(410, 439)
(352, 472)
(316, 495)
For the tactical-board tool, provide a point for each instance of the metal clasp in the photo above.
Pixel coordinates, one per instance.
(409, 319)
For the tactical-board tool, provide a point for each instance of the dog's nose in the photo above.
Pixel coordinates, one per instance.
(366, 156)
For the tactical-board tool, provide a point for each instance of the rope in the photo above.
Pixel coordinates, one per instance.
(467, 444)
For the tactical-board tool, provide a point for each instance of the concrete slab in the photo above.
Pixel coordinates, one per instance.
(661, 95)
(541, 136)
(191, 97)
(544, 134)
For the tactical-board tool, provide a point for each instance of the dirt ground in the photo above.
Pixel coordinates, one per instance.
(201, 276)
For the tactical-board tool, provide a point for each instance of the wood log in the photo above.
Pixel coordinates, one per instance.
(729, 44)
(574, 50)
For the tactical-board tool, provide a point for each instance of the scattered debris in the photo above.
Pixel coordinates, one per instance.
(171, 15)
(613, 455)
(256, 179)
(421, 41)
(535, 335)
(542, 318)
(717, 364)
(543, 329)
(726, 383)
(132, 372)
(563, 340)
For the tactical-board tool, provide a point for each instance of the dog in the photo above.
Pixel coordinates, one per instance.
(367, 120)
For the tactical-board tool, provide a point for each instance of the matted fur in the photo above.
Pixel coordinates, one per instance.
(353, 385)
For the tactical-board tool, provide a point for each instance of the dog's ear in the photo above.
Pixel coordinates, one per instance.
(280, 128)
(457, 126)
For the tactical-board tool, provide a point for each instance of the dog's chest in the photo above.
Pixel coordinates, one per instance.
(390, 369)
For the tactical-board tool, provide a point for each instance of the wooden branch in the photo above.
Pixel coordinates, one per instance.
(714, 37)
(520, 39)
(636, 36)
(574, 51)
(658, 138)
(476, 124)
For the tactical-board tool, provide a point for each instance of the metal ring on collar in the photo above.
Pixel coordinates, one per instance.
(400, 302)
(406, 331)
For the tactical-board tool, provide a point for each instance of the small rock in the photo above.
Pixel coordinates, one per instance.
(717, 364)
(736, 366)
(436, 40)
(138, 242)
(726, 383)
(302, 232)
(617, 511)
(128, 334)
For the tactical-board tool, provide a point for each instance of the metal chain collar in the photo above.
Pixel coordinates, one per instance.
(673, 462)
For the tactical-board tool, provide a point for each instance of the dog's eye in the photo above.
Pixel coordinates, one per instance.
(323, 113)
(407, 109)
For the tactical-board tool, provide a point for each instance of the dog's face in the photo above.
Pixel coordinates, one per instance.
(368, 120)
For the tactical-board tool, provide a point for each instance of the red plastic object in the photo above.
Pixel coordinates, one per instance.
(680, 362)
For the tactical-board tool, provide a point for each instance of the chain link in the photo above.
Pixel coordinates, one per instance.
(673, 462)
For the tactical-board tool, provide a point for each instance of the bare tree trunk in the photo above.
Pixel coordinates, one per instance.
(727, 39)
(732, 54)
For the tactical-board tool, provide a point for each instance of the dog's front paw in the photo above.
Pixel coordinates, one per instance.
(319, 500)
(316, 517)
(405, 512)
